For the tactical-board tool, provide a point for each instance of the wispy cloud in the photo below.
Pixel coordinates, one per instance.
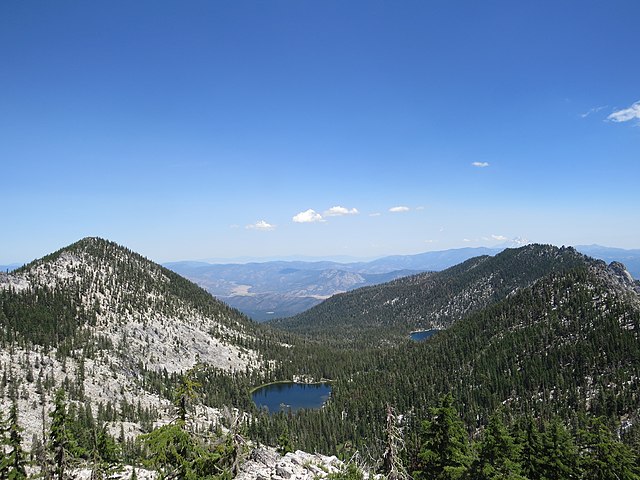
(375, 214)
(261, 225)
(501, 238)
(339, 211)
(592, 110)
(480, 164)
(308, 216)
(626, 114)
(398, 209)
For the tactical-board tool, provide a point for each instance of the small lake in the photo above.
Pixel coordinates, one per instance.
(291, 396)
(422, 335)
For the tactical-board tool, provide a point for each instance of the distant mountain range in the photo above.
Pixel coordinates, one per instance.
(10, 267)
(277, 289)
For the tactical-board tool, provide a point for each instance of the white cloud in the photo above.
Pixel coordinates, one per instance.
(339, 211)
(420, 208)
(261, 225)
(480, 164)
(398, 209)
(626, 114)
(592, 110)
(502, 238)
(376, 214)
(467, 240)
(308, 216)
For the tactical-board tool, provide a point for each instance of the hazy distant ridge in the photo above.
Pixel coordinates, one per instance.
(271, 289)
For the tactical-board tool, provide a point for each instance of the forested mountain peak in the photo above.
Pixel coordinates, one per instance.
(111, 327)
(122, 295)
(436, 300)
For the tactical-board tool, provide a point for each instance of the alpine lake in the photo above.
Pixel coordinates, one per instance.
(422, 335)
(291, 396)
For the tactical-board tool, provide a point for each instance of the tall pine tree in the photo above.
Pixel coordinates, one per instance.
(17, 457)
(58, 438)
(498, 454)
(444, 451)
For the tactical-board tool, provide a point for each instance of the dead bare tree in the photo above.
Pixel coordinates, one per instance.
(391, 461)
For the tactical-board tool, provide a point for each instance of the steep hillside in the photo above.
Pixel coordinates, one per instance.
(278, 289)
(431, 300)
(162, 319)
(112, 328)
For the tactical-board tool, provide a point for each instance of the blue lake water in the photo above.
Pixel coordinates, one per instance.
(291, 396)
(422, 335)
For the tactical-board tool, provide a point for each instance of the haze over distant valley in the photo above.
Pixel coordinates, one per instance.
(276, 289)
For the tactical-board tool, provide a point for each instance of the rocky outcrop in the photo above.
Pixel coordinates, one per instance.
(264, 463)
(622, 274)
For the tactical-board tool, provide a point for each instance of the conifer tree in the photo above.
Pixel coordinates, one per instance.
(284, 443)
(16, 459)
(605, 457)
(444, 452)
(58, 438)
(4, 461)
(392, 465)
(178, 453)
(187, 393)
(531, 450)
(104, 452)
(559, 453)
(497, 454)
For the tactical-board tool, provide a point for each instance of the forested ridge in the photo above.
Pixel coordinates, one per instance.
(547, 359)
(428, 300)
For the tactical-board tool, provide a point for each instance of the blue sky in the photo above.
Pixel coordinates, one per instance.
(201, 129)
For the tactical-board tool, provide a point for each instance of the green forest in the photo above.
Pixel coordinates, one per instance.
(539, 381)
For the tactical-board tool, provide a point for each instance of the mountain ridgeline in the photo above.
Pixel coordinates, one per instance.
(276, 289)
(431, 300)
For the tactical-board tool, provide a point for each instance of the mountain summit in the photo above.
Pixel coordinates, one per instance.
(112, 329)
(163, 320)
